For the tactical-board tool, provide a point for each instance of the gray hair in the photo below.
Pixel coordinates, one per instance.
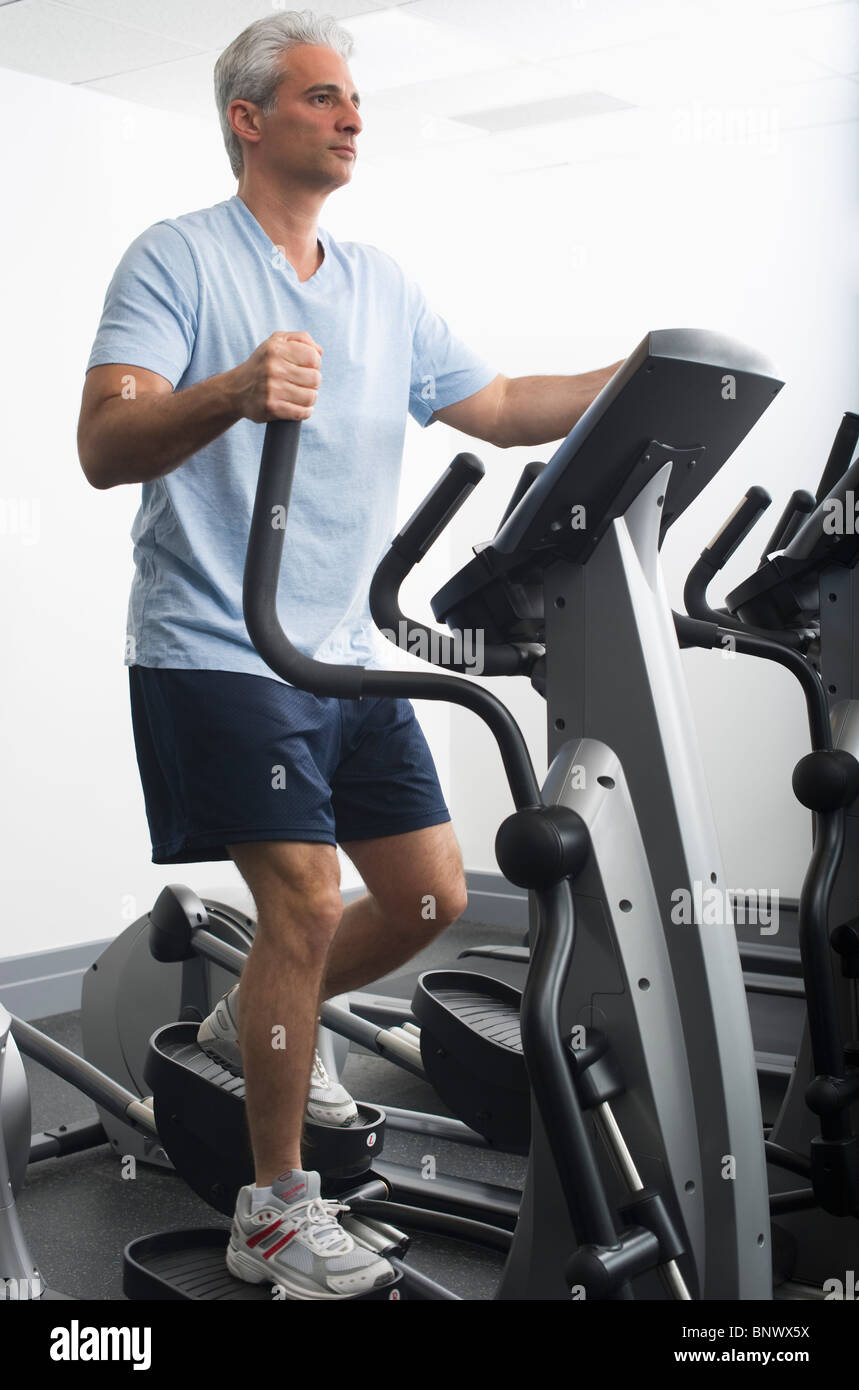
(249, 68)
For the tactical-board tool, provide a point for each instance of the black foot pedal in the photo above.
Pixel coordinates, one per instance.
(200, 1114)
(471, 1046)
(179, 1265)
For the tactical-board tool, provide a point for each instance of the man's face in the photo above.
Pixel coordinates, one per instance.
(311, 137)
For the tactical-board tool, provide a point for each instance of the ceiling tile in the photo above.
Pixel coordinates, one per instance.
(396, 49)
(662, 73)
(185, 84)
(472, 91)
(828, 33)
(832, 100)
(207, 23)
(571, 107)
(556, 27)
(54, 41)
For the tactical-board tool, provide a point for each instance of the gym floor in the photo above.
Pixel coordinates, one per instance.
(79, 1213)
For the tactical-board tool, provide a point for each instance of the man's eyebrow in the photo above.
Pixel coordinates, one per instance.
(333, 88)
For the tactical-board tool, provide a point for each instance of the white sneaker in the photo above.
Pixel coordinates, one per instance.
(328, 1102)
(297, 1243)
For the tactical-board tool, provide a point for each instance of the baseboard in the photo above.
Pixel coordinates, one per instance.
(45, 983)
(491, 899)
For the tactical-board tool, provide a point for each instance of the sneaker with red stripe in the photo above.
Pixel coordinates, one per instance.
(296, 1242)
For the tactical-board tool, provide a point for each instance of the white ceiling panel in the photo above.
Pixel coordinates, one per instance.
(207, 23)
(185, 85)
(572, 107)
(394, 49)
(828, 33)
(621, 134)
(829, 102)
(473, 91)
(626, 134)
(550, 28)
(51, 40)
(659, 73)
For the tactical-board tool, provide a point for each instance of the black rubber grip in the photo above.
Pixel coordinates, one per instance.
(845, 441)
(800, 504)
(442, 503)
(737, 527)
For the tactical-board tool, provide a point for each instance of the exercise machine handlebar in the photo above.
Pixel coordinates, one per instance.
(799, 505)
(407, 549)
(845, 441)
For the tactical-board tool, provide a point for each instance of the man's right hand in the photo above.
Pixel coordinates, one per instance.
(280, 380)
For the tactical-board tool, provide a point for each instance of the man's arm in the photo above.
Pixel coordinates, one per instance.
(134, 427)
(526, 409)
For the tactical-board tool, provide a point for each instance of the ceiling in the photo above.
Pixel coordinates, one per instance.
(550, 82)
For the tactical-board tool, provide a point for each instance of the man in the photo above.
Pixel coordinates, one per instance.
(214, 323)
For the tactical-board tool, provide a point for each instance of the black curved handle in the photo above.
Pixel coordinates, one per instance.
(407, 549)
(737, 527)
(259, 603)
(262, 572)
(845, 441)
(799, 505)
(439, 507)
(718, 551)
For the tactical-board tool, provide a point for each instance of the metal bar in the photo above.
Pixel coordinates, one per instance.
(612, 1136)
(460, 1196)
(437, 1223)
(213, 948)
(376, 1040)
(780, 1157)
(801, 1199)
(82, 1075)
(438, 1126)
(67, 1139)
(421, 1286)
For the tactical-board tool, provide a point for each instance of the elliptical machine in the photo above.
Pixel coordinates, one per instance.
(127, 993)
(639, 1057)
(805, 593)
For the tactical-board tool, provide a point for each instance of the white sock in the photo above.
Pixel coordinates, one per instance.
(259, 1198)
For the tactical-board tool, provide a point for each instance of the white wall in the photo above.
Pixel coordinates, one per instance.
(551, 272)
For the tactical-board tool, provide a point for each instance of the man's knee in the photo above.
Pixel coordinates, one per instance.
(439, 905)
(415, 878)
(296, 888)
(450, 902)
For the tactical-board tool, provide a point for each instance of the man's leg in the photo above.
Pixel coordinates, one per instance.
(297, 894)
(416, 889)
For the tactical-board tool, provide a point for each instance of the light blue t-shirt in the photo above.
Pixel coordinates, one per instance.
(194, 296)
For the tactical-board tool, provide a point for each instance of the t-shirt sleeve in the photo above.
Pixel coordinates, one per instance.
(444, 370)
(149, 318)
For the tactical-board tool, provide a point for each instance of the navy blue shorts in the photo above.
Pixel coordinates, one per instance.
(227, 757)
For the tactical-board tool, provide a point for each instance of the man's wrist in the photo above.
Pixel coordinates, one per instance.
(229, 393)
